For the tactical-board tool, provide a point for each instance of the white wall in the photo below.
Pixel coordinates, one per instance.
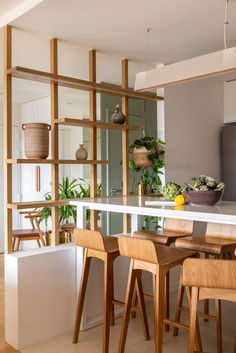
(230, 102)
(194, 115)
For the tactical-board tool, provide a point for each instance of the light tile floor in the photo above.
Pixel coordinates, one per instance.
(91, 340)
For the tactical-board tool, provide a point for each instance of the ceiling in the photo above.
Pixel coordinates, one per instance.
(178, 30)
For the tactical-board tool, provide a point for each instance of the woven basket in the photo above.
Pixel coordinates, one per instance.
(36, 140)
(141, 157)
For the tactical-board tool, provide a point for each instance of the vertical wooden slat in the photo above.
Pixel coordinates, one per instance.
(54, 140)
(125, 143)
(7, 138)
(93, 133)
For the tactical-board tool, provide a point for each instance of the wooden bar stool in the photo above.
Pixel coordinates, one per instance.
(106, 249)
(209, 279)
(158, 260)
(219, 239)
(33, 233)
(172, 229)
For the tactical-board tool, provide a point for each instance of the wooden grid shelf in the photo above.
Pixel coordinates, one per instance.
(55, 161)
(65, 81)
(96, 124)
(36, 204)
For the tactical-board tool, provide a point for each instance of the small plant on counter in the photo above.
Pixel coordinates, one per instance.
(204, 183)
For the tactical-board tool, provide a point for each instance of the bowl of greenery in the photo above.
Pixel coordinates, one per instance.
(204, 190)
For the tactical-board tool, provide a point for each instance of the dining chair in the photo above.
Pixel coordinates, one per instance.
(147, 256)
(33, 233)
(208, 279)
(219, 240)
(104, 248)
(173, 228)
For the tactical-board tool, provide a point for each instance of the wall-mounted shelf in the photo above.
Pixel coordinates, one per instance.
(36, 204)
(55, 161)
(65, 81)
(97, 124)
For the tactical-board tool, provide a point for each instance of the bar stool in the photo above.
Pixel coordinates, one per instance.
(106, 249)
(219, 239)
(33, 233)
(172, 229)
(209, 279)
(158, 260)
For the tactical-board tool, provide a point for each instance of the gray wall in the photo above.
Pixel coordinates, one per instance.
(194, 115)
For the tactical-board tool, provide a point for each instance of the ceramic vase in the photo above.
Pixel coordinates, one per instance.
(81, 153)
(118, 117)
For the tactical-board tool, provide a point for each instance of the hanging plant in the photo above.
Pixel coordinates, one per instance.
(146, 158)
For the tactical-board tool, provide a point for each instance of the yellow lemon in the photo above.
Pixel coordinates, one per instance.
(180, 200)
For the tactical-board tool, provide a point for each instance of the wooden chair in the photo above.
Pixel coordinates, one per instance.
(172, 229)
(34, 233)
(209, 279)
(68, 228)
(219, 239)
(106, 249)
(158, 260)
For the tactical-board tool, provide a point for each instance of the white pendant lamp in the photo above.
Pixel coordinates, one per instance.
(209, 65)
(204, 66)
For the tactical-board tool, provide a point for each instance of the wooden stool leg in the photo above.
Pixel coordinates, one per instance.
(127, 308)
(108, 292)
(180, 297)
(135, 303)
(159, 308)
(193, 317)
(167, 299)
(142, 305)
(39, 245)
(112, 304)
(13, 243)
(206, 301)
(235, 345)
(18, 245)
(198, 334)
(218, 325)
(81, 296)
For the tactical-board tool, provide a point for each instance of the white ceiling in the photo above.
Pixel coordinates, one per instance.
(180, 29)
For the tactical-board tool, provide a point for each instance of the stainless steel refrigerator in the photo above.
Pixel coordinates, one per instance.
(228, 161)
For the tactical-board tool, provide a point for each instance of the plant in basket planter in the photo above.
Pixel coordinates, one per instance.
(145, 160)
(205, 190)
(147, 164)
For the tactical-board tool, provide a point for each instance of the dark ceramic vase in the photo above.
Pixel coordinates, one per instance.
(118, 117)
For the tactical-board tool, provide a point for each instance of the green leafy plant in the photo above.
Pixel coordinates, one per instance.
(149, 175)
(203, 183)
(74, 189)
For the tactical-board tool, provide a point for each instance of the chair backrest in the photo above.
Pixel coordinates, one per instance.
(178, 225)
(90, 239)
(202, 273)
(138, 249)
(224, 231)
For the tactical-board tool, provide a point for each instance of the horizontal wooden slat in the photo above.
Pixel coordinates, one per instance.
(55, 161)
(36, 204)
(65, 81)
(97, 124)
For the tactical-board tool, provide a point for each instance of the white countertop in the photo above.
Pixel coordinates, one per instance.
(223, 212)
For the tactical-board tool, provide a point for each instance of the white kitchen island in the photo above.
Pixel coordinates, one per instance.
(40, 285)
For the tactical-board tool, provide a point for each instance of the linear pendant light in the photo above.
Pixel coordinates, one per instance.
(213, 64)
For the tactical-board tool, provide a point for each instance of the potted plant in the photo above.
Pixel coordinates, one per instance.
(145, 160)
(76, 188)
(204, 191)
